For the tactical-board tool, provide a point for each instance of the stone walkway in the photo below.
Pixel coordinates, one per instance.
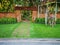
(23, 31)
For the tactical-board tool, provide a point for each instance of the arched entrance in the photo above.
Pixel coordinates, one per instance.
(19, 14)
(26, 15)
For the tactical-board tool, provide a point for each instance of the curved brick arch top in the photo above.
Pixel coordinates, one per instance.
(26, 8)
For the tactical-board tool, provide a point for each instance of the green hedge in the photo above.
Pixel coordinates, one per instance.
(40, 20)
(58, 21)
(8, 20)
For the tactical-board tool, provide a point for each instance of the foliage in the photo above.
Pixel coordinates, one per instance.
(58, 21)
(27, 2)
(40, 20)
(26, 14)
(22, 2)
(6, 6)
(8, 20)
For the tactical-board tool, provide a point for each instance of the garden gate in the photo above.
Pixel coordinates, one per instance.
(18, 12)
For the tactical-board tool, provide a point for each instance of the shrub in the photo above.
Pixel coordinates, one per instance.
(8, 20)
(14, 20)
(0, 21)
(3, 20)
(40, 20)
(58, 21)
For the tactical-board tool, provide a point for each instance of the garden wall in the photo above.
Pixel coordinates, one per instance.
(7, 14)
(43, 15)
(58, 15)
(15, 14)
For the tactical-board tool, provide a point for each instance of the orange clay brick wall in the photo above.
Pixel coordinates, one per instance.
(7, 14)
(13, 15)
(43, 15)
(58, 15)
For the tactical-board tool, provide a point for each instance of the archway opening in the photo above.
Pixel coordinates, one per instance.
(26, 15)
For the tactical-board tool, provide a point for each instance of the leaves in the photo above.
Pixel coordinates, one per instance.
(6, 5)
(27, 2)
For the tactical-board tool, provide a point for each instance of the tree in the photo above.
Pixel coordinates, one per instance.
(6, 5)
(27, 2)
(51, 6)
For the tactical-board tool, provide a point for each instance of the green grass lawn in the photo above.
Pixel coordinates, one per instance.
(43, 31)
(7, 29)
(36, 30)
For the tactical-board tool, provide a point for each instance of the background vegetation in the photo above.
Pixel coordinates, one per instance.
(6, 6)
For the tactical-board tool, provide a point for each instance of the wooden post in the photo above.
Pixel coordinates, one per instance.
(56, 11)
(46, 15)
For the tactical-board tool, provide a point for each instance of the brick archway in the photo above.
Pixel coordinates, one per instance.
(18, 13)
